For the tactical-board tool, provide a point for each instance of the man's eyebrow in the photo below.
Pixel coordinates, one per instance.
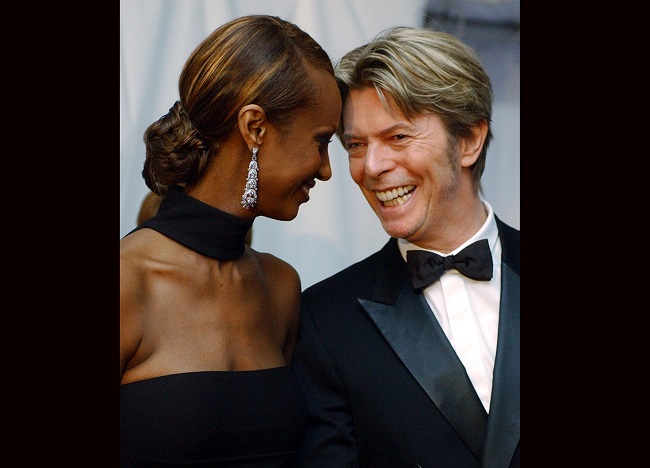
(386, 131)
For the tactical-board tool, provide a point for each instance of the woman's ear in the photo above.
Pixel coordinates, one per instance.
(252, 124)
(470, 147)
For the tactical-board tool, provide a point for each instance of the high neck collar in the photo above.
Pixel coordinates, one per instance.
(199, 226)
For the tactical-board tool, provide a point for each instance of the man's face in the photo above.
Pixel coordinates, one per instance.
(405, 169)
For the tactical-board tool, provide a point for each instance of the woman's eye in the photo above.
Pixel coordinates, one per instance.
(323, 142)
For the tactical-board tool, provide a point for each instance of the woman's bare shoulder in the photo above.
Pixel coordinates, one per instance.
(278, 268)
(142, 253)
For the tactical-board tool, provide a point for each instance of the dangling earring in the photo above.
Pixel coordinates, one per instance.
(249, 198)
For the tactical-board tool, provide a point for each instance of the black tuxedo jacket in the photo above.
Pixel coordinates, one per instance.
(385, 387)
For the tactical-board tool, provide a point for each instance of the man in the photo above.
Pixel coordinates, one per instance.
(402, 369)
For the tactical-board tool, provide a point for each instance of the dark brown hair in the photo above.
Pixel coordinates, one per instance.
(257, 59)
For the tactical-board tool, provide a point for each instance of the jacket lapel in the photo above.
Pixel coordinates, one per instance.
(503, 431)
(406, 321)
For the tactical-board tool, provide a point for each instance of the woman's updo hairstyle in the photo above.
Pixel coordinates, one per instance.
(257, 59)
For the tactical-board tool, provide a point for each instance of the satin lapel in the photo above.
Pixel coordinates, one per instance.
(503, 431)
(413, 332)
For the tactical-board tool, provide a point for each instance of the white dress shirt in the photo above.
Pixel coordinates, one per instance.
(468, 310)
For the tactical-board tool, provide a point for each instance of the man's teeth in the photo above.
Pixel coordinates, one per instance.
(397, 196)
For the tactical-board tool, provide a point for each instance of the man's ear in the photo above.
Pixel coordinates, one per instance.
(470, 148)
(252, 124)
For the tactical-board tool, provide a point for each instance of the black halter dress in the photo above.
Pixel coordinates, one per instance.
(218, 418)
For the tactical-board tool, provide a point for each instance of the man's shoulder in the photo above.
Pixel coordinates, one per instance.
(353, 277)
(510, 234)
(345, 275)
(511, 243)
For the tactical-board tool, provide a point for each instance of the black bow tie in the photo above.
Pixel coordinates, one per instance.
(474, 261)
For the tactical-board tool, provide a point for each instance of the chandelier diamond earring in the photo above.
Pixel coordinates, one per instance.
(249, 199)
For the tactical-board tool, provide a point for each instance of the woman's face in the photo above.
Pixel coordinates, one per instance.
(293, 157)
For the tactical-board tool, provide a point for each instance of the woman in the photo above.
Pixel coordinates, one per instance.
(207, 324)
